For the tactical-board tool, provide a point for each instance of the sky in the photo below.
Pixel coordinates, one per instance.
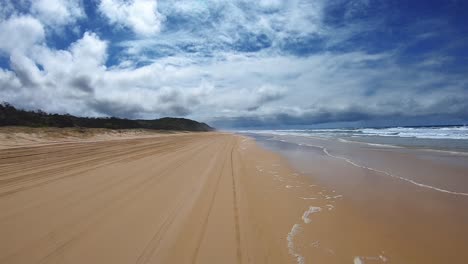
(239, 63)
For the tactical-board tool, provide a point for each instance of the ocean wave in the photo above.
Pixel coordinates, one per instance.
(456, 132)
(418, 132)
(369, 144)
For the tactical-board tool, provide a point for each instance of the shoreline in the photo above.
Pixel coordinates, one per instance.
(400, 200)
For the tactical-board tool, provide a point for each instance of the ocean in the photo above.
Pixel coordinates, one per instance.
(452, 138)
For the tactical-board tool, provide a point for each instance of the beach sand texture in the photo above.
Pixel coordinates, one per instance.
(198, 198)
(185, 198)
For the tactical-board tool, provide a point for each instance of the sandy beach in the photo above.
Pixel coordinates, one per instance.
(216, 198)
(183, 198)
(219, 131)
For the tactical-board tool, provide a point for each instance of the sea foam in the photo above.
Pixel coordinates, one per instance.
(311, 210)
(422, 185)
(292, 251)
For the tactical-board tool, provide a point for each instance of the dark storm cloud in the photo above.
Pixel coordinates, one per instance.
(176, 110)
(82, 83)
(26, 70)
(457, 111)
(265, 95)
(285, 119)
(115, 108)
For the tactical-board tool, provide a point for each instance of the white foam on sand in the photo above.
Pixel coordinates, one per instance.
(327, 197)
(295, 230)
(379, 258)
(325, 150)
(358, 260)
(278, 177)
(392, 175)
(369, 144)
(311, 210)
(292, 251)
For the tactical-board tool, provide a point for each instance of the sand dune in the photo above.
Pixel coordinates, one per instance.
(12, 137)
(187, 198)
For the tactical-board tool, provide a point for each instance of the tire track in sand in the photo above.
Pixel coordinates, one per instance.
(210, 208)
(152, 246)
(236, 210)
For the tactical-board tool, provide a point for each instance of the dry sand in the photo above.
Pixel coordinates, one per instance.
(11, 137)
(184, 198)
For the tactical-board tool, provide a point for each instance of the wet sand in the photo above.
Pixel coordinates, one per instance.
(184, 198)
(398, 205)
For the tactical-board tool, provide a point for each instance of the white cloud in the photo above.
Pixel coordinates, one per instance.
(57, 13)
(85, 56)
(8, 81)
(90, 51)
(141, 16)
(68, 76)
(26, 70)
(212, 26)
(20, 33)
(6, 9)
(197, 67)
(233, 84)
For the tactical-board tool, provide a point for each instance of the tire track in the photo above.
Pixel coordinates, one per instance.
(152, 246)
(111, 204)
(236, 209)
(106, 186)
(47, 176)
(210, 208)
(132, 192)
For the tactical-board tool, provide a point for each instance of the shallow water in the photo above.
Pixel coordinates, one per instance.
(410, 203)
(440, 138)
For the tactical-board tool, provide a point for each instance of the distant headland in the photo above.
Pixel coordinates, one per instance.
(11, 116)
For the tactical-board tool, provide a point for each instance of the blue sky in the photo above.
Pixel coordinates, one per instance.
(266, 63)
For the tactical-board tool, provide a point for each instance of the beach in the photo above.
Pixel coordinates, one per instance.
(216, 198)
(218, 132)
(182, 198)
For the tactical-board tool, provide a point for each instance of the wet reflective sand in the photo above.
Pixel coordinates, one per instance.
(398, 205)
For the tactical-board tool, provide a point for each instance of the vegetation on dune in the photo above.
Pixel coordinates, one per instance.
(11, 116)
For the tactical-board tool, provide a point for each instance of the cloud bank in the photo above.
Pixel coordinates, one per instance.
(237, 63)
